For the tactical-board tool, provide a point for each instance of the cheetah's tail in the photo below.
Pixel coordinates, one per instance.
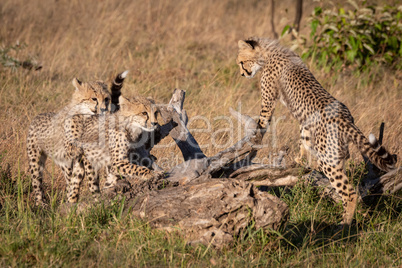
(116, 90)
(377, 154)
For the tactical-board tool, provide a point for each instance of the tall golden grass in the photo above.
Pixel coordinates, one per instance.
(189, 44)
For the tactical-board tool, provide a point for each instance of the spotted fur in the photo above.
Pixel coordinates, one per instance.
(326, 124)
(51, 135)
(108, 139)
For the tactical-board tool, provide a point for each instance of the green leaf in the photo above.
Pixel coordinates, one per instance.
(400, 49)
(350, 55)
(388, 56)
(336, 48)
(353, 43)
(285, 30)
(378, 26)
(314, 25)
(393, 42)
(317, 11)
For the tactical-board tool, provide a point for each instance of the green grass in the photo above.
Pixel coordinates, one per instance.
(104, 236)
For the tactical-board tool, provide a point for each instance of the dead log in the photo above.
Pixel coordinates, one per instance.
(213, 212)
(180, 134)
(224, 162)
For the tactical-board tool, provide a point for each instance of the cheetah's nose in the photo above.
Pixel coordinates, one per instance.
(155, 125)
(103, 111)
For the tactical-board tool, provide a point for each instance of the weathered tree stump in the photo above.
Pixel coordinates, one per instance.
(211, 212)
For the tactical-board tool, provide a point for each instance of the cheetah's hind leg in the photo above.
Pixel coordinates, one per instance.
(307, 156)
(339, 180)
(37, 162)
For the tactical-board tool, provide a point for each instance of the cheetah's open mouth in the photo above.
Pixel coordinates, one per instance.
(134, 125)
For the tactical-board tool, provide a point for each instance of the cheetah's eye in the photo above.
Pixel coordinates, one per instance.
(94, 99)
(107, 100)
(241, 63)
(144, 113)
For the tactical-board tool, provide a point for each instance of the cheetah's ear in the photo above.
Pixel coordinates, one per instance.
(247, 44)
(151, 100)
(77, 83)
(243, 45)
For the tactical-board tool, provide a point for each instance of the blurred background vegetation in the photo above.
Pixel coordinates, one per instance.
(358, 37)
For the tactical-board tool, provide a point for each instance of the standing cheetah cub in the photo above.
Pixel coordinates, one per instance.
(326, 124)
(52, 134)
(108, 139)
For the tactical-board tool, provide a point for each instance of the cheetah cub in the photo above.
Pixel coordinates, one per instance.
(326, 124)
(52, 134)
(108, 140)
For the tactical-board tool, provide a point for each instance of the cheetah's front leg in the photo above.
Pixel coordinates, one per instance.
(267, 109)
(92, 176)
(74, 183)
(73, 130)
(116, 179)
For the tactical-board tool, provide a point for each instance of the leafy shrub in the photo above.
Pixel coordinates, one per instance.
(357, 37)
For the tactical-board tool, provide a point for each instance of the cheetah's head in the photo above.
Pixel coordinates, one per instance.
(139, 113)
(91, 98)
(249, 58)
